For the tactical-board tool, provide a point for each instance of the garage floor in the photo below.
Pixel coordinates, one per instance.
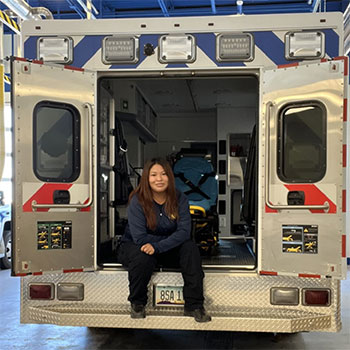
(13, 335)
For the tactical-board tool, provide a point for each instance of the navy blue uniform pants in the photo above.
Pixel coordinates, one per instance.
(140, 267)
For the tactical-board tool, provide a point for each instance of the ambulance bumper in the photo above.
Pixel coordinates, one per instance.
(247, 320)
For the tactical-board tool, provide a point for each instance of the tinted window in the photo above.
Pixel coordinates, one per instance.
(56, 135)
(302, 143)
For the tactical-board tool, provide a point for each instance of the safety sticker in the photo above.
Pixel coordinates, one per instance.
(54, 235)
(302, 239)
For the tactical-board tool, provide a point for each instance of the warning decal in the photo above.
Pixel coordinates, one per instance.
(300, 239)
(54, 235)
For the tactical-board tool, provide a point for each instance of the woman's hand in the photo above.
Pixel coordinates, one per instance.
(148, 249)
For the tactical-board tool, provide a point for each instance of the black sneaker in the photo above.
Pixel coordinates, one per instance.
(199, 315)
(137, 311)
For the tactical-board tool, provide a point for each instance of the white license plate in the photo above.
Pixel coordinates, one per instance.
(165, 295)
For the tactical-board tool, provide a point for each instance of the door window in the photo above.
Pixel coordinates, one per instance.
(302, 143)
(56, 134)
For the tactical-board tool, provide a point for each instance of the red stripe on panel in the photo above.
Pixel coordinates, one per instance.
(37, 273)
(345, 110)
(343, 246)
(269, 210)
(268, 273)
(306, 275)
(73, 270)
(20, 59)
(74, 68)
(88, 208)
(44, 195)
(294, 64)
(313, 196)
(38, 62)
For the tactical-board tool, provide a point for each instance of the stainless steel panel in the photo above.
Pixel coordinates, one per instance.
(322, 82)
(33, 83)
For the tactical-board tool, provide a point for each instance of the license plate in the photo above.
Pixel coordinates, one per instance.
(165, 295)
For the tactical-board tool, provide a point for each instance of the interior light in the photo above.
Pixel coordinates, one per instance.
(120, 49)
(177, 48)
(304, 45)
(235, 47)
(55, 49)
(44, 291)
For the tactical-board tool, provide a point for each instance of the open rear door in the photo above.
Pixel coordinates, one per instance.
(53, 220)
(302, 170)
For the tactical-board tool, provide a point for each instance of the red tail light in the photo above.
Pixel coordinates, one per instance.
(316, 297)
(44, 291)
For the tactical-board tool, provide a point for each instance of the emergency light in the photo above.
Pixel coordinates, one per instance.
(235, 47)
(177, 49)
(304, 45)
(120, 49)
(55, 49)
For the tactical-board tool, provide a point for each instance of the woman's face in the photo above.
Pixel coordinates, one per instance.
(158, 179)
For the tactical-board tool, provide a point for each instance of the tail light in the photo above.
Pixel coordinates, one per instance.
(41, 291)
(316, 297)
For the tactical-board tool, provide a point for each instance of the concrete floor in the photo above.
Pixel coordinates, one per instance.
(15, 336)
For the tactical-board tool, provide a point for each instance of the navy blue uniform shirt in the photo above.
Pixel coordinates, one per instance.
(168, 233)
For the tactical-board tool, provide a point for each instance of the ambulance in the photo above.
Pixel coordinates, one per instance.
(262, 98)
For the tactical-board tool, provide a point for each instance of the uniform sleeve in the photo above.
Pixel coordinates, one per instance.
(183, 231)
(138, 224)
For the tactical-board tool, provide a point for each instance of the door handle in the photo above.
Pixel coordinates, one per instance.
(78, 205)
(324, 206)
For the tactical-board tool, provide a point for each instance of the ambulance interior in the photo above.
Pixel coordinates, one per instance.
(209, 119)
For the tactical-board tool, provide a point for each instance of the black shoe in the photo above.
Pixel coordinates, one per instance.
(137, 311)
(199, 315)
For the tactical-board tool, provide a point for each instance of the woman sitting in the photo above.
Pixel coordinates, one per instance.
(158, 231)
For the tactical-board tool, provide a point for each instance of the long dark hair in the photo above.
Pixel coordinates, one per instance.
(145, 197)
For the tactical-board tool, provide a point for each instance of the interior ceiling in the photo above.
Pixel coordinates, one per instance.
(69, 9)
(170, 97)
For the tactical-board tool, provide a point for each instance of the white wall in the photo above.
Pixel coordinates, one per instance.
(175, 133)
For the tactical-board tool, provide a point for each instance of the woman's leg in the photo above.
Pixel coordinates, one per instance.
(192, 273)
(140, 268)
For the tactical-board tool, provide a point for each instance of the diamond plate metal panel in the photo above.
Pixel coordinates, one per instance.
(237, 302)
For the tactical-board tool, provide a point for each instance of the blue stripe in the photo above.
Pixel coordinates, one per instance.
(272, 46)
(143, 40)
(30, 48)
(332, 43)
(207, 43)
(177, 65)
(348, 261)
(86, 48)
(7, 87)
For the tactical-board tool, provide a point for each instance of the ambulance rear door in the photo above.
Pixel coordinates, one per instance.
(53, 210)
(302, 162)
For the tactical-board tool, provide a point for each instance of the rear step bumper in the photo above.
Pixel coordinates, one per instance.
(254, 320)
